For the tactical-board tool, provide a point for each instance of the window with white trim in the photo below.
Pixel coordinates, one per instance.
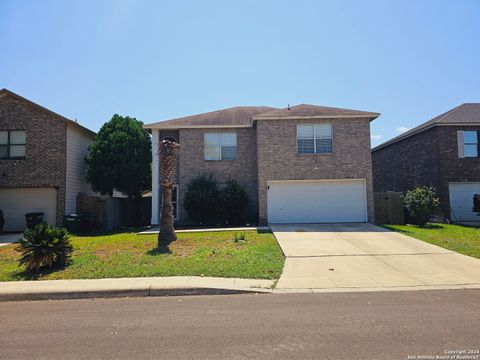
(13, 144)
(314, 139)
(470, 143)
(220, 146)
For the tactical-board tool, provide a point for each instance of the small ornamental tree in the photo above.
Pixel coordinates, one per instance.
(120, 159)
(421, 203)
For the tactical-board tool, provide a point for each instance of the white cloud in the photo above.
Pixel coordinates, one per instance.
(376, 137)
(402, 129)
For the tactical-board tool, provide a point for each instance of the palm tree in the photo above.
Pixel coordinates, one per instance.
(167, 150)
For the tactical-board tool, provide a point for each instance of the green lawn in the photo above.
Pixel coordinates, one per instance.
(132, 255)
(462, 239)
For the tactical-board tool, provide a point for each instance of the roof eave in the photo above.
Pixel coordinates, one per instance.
(5, 92)
(400, 137)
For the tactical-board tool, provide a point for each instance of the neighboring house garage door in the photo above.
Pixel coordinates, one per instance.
(319, 201)
(461, 201)
(16, 202)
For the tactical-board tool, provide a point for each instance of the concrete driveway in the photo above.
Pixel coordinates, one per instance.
(7, 239)
(359, 257)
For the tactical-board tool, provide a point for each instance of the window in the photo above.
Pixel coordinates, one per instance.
(314, 139)
(220, 146)
(13, 144)
(470, 144)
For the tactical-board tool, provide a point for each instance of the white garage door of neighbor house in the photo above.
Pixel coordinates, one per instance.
(461, 201)
(316, 201)
(16, 202)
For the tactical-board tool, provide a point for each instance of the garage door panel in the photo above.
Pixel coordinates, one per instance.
(316, 201)
(16, 202)
(461, 200)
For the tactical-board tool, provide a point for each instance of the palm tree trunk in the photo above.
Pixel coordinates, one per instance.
(167, 232)
(168, 156)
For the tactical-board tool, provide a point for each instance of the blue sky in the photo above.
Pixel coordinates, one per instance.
(409, 60)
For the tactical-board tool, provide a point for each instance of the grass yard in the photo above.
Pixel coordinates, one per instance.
(462, 239)
(132, 255)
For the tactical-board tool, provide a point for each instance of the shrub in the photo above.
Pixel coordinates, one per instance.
(202, 199)
(45, 246)
(237, 237)
(421, 204)
(233, 202)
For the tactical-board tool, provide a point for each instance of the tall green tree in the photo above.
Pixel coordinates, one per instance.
(120, 159)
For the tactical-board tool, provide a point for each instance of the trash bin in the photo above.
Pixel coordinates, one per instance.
(75, 223)
(33, 219)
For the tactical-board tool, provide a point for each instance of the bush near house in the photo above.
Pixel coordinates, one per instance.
(208, 203)
(421, 203)
(233, 203)
(202, 200)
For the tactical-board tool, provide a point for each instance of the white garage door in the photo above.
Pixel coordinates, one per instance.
(316, 201)
(461, 201)
(15, 203)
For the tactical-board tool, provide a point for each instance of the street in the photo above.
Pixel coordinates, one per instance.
(375, 325)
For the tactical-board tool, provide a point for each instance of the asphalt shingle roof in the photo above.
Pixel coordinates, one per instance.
(236, 116)
(243, 116)
(468, 113)
(306, 110)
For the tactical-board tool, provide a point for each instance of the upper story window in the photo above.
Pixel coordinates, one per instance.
(220, 146)
(314, 139)
(470, 143)
(13, 144)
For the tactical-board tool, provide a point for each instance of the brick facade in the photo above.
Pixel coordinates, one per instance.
(45, 161)
(278, 158)
(244, 169)
(428, 158)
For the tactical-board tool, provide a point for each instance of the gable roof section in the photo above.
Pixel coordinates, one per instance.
(465, 114)
(5, 92)
(244, 116)
(240, 116)
(307, 111)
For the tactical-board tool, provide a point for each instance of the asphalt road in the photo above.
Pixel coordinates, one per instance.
(382, 325)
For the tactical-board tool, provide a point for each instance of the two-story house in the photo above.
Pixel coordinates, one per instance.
(302, 164)
(442, 152)
(42, 167)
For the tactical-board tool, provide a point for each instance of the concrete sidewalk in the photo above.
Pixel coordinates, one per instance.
(124, 287)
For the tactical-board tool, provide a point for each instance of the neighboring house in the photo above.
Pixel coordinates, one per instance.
(442, 152)
(42, 166)
(303, 164)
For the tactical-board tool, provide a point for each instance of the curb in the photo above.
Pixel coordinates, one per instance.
(124, 293)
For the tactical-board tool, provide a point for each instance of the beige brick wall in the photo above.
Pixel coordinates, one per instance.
(278, 158)
(44, 164)
(243, 169)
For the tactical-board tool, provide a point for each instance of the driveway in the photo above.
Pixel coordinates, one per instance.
(339, 257)
(7, 239)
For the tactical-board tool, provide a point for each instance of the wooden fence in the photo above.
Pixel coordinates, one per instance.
(109, 213)
(388, 207)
